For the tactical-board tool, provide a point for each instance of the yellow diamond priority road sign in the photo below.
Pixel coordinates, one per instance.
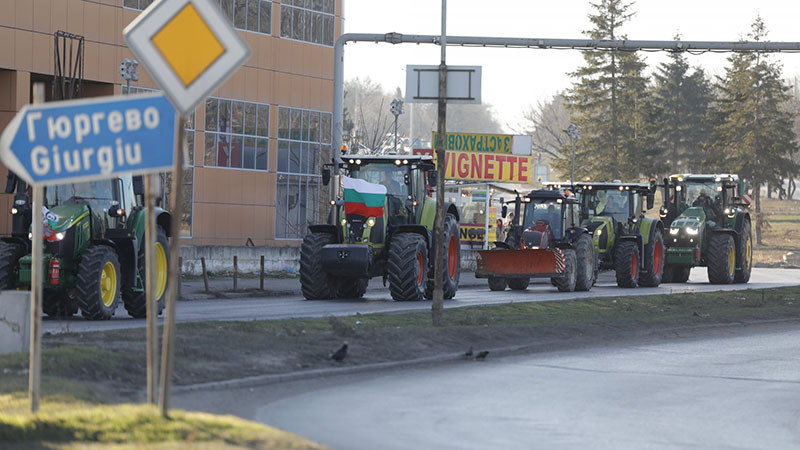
(188, 46)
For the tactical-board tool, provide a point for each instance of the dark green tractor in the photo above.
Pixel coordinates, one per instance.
(13, 247)
(93, 254)
(626, 240)
(377, 232)
(709, 225)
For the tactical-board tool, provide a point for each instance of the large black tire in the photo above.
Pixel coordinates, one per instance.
(626, 264)
(519, 284)
(498, 283)
(350, 287)
(313, 279)
(59, 304)
(721, 259)
(99, 275)
(407, 267)
(452, 241)
(653, 261)
(584, 270)
(674, 273)
(10, 253)
(566, 282)
(744, 255)
(136, 302)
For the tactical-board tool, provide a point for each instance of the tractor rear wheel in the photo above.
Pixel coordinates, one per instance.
(99, 281)
(674, 273)
(744, 255)
(313, 279)
(584, 271)
(626, 264)
(407, 267)
(10, 253)
(351, 287)
(136, 302)
(566, 282)
(451, 254)
(653, 261)
(519, 284)
(721, 259)
(59, 304)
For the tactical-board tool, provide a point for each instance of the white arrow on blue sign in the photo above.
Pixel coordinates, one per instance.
(82, 140)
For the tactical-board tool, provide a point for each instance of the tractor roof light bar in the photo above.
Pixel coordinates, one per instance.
(533, 43)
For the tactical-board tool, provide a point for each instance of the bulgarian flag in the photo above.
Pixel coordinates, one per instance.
(363, 198)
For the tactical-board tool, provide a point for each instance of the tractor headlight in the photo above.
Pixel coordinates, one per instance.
(598, 231)
(344, 222)
(678, 188)
(692, 231)
(59, 236)
(30, 235)
(371, 221)
(14, 210)
(662, 212)
(674, 231)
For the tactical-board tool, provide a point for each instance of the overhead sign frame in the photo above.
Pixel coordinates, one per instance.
(463, 84)
(151, 37)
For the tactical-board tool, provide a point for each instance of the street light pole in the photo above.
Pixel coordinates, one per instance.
(397, 109)
(574, 133)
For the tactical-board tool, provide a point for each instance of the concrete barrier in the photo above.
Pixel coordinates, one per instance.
(219, 259)
(15, 320)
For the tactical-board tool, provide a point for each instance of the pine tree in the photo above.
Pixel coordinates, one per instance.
(607, 101)
(754, 135)
(679, 116)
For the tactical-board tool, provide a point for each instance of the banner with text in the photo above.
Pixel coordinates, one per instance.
(488, 143)
(478, 166)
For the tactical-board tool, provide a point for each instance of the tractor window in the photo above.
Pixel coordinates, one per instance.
(92, 193)
(548, 211)
(610, 202)
(706, 195)
(392, 177)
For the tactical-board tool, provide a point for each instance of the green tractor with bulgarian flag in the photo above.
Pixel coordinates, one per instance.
(381, 227)
(93, 252)
(709, 225)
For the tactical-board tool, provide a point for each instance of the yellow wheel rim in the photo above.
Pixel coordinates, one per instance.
(161, 270)
(108, 284)
(748, 252)
(731, 261)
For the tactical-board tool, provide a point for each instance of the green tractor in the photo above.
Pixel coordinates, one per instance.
(387, 232)
(625, 240)
(709, 225)
(93, 252)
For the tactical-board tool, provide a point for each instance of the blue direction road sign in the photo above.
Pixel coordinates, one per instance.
(80, 140)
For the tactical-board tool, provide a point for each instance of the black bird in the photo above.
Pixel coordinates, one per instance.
(339, 355)
(482, 355)
(469, 352)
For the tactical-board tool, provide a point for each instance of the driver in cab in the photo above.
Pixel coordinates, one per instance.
(395, 194)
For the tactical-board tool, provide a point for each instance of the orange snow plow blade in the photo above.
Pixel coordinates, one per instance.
(530, 263)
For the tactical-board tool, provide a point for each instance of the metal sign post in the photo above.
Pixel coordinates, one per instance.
(150, 287)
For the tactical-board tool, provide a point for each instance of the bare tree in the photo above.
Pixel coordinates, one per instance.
(546, 122)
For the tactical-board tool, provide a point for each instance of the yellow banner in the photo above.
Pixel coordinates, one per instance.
(472, 233)
(473, 142)
(475, 166)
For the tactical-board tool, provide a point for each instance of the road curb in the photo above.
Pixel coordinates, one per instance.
(261, 380)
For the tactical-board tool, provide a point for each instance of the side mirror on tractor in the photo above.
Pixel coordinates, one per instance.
(504, 211)
(651, 199)
(433, 178)
(138, 185)
(326, 176)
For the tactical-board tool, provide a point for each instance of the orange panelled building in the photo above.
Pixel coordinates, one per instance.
(256, 145)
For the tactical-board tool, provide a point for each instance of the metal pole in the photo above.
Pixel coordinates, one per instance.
(572, 175)
(395, 134)
(35, 362)
(168, 342)
(486, 215)
(437, 305)
(150, 288)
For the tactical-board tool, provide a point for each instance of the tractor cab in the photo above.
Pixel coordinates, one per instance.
(545, 217)
(715, 196)
(20, 211)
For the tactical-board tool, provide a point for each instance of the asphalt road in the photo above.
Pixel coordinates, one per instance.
(734, 387)
(379, 300)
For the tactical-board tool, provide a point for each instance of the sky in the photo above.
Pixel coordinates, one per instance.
(514, 79)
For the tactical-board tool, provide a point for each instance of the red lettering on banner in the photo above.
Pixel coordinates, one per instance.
(476, 160)
(450, 166)
(513, 161)
(463, 166)
(488, 167)
(502, 160)
(523, 171)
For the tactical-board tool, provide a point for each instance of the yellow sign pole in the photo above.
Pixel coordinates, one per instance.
(168, 341)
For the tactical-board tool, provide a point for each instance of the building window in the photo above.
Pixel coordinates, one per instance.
(236, 134)
(308, 20)
(304, 136)
(188, 174)
(247, 15)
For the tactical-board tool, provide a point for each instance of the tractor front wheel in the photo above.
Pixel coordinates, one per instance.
(653, 261)
(721, 259)
(451, 254)
(313, 279)
(519, 284)
(408, 267)
(567, 281)
(626, 264)
(99, 281)
(584, 253)
(136, 302)
(744, 255)
(10, 253)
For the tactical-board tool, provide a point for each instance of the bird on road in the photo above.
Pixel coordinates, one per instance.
(482, 355)
(469, 353)
(339, 355)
